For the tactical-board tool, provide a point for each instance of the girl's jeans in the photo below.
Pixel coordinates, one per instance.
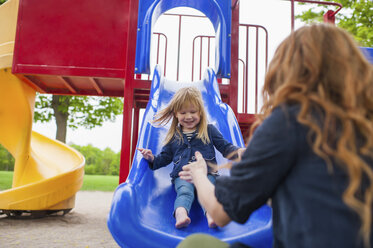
(185, 193)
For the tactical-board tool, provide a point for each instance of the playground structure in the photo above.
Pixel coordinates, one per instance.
(143, 205)
(90, 48)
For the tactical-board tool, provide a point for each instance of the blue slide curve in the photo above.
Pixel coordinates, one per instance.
(141, 211)
(218, 12)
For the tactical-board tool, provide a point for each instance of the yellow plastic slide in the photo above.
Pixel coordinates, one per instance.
(47, 173)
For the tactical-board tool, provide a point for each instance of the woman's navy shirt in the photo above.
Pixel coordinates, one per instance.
(180, 153)
(308, 210)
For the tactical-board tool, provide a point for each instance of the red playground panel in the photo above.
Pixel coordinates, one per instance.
(72, 47)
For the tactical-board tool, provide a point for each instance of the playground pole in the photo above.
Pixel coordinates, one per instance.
(125, 157)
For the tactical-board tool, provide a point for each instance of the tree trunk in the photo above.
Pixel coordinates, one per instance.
(61, 116)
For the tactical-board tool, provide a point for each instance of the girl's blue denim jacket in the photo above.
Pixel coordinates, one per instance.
(180, 153)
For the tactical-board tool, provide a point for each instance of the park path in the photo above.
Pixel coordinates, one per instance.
(84, 227)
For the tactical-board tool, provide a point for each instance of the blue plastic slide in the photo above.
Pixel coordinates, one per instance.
(141, 211)
(368, 52)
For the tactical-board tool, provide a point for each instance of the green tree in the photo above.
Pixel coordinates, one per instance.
(74, 111)
(99, 162)
(356, 17)
(6, 160)
(2, 1)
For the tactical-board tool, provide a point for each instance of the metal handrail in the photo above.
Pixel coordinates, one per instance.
(246, 83)
(201, 37)
(314, 2)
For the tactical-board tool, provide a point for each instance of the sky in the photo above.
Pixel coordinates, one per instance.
(274, 15)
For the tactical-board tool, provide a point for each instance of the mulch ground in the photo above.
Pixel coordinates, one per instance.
(85, 226)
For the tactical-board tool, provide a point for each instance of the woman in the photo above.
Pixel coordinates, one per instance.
(311, 151)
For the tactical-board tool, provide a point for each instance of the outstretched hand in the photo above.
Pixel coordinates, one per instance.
(194, 169)
(240, 152)
(146, 153)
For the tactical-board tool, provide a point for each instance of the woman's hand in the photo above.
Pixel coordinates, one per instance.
(146, 153)
(196, 173)
(194, 169)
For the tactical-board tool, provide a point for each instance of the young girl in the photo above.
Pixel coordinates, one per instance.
(189, 132)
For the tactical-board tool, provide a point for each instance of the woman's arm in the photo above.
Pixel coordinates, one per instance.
(197, 174)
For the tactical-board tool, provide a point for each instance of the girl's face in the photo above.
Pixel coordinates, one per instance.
(188, 117)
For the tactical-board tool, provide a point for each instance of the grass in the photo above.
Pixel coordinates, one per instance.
(6, 178)
(100, 183)
(90, 183)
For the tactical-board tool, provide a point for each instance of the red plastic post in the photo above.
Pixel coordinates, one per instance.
(125, 157)
(329, 17)
(233, 89)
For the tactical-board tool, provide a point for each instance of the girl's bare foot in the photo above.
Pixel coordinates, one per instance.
(182, 219)
(210, 221)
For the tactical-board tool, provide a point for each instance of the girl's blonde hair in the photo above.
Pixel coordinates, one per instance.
(183, 98)
(320, 67)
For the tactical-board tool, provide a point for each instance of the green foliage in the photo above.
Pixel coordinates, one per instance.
(6, 178)
(90, 182)
(83, 111)
(2, 1)
(6, 160)
(99, 162)
(355, 16)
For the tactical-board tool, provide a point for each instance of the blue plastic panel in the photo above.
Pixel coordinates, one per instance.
(141, 212)
(219, 13)
(368, 52)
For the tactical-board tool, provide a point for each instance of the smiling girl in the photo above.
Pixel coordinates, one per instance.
(189, 132)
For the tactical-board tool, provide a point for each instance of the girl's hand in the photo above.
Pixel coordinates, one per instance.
(194, 169)
(240, 152)
(146, 153)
